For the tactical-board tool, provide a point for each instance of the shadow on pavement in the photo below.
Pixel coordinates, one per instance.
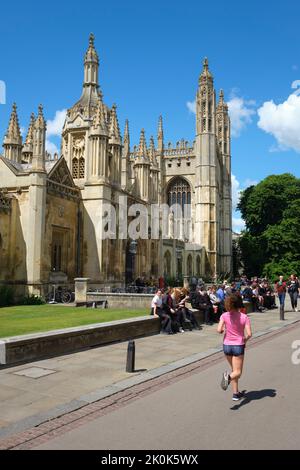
(255, 395)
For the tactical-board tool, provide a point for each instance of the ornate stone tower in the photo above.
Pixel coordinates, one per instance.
(223, 135)
(206, 195)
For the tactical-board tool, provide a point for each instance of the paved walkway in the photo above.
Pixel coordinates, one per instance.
(35, 392)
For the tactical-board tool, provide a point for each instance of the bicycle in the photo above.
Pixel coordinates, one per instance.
(59, 295)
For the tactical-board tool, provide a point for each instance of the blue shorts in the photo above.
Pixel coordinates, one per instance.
(231, 350)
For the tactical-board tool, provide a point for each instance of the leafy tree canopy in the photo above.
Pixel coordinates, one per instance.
(270, 245)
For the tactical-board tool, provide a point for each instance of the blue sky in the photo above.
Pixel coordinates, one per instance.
(150, 58)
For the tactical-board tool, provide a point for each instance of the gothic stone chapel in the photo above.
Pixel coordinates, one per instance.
(50, 205)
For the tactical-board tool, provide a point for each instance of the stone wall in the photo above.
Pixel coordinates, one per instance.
(131, 301)
(20, 349)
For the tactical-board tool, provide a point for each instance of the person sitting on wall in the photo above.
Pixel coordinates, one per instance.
(190, 317)
(202, 302)
(158, 311)
(176, 315)
(217, 307)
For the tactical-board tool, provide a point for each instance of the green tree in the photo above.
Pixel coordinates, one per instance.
(270, 245)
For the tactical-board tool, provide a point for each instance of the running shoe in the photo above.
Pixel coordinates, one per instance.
(238, 396)
(225, 380)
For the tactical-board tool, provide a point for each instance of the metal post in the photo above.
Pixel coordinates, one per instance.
(130, 356)
(281, 310)
(53, 301)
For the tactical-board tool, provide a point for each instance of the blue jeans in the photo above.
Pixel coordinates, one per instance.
(281, 298)
(232, 350)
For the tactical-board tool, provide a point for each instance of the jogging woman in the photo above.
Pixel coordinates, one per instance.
(234, 323)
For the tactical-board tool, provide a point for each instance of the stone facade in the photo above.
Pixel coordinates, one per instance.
(51, 208)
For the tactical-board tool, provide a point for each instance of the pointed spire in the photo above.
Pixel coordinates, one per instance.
(99, 123)
(87, 103)
(126, 132)
(126, 142)
(29, 137)
(143, 153)
(152, 152)
(28, 145)
(39, 142)
(40, 122)
(160, 135)
(12, 143)
(222, 106)
(114, 130)
(91, 53)
(13, 134)
(205, 74)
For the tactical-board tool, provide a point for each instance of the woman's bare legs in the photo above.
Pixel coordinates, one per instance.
(229, 359)
(237, 369)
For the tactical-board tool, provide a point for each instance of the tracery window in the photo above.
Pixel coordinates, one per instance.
(81, 167)
(75, 168)
(179, 192)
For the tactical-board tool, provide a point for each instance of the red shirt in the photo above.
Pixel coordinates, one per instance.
(281, 288)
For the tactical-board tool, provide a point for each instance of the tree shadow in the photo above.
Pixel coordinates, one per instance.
(254, 395)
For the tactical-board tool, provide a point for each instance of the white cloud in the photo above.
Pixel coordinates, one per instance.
(51, 147)
(240, 112)
(236, 190)
(237, 224)
(282, 121)
(191, 105)
(54, 128)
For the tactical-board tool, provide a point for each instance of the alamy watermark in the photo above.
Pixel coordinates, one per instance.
(136, 221)
(296, 354)
(2, 92)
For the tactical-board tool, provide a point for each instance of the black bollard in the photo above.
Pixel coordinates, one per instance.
(130, 357)
(281, 312)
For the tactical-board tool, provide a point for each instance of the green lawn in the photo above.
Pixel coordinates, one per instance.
(26, 319)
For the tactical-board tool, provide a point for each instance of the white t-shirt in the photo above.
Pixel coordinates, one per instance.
(156, 301)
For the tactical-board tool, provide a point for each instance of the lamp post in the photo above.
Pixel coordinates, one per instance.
(133, 252)
(178, 258)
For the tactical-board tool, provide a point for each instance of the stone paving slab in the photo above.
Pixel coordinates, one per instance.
(85, 377)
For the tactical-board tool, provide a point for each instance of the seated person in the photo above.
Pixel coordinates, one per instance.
(205, 305)
(188, 314)
(158, 311)
(216, 303)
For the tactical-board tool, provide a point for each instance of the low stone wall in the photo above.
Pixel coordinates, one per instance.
(27, 348)
(129, 301)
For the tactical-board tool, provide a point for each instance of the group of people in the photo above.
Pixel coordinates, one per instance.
(292, 287)
(224, 304)
(170, 307)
